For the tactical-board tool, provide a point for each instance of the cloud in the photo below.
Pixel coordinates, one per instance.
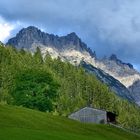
(107, 26)
(5, 29)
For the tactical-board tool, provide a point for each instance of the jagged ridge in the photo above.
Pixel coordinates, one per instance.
(31, 35)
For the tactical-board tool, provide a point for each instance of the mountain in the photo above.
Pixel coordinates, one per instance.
(114, 84)
(123, 72)
(31, 37)
(112, 71)
(68, 47)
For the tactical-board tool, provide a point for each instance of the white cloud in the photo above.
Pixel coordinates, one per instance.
(5, 29)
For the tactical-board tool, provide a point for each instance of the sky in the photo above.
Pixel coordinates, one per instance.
(106, 26)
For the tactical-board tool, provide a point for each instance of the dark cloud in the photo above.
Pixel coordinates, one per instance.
(107, 26)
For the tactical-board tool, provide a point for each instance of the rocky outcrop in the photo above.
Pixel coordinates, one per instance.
(114, 58)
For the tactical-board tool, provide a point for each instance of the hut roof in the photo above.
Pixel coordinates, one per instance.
(88, 110)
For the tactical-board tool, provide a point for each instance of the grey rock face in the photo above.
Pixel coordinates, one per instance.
(114, 84)
(123, 72)
(113, 57)
(118, 67)
(32, 35)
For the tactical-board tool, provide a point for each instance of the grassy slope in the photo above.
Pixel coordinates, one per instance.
(18, 123)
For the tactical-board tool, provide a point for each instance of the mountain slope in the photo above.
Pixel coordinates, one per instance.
(20, 123)
(71, 48)
(114, 84)
(59, 87)
(123, 72)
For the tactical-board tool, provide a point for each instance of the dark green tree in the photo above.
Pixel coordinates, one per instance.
(35, 88)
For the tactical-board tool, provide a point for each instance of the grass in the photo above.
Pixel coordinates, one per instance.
(17, 123)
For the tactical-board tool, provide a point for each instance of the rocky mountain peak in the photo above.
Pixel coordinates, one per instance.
(73, 35)
(32, 36)
(29, 31)
(130, 65)
(113, 57)
(30, 28)
(124, 72)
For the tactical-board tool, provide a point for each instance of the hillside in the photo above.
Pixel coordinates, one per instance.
(72, 49)
(59, 87)
(22, 123)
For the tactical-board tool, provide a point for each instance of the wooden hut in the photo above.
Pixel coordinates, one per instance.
(92, 115)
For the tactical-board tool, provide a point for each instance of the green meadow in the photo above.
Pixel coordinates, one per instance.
(17, 123)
